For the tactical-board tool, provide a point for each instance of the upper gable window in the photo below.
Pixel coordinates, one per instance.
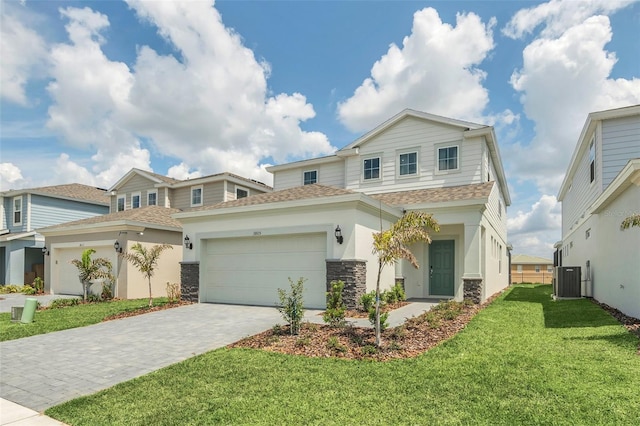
(17, 211)
(448, 158)
(408, 164)
(120, 203)
(371, 168)
(241, 192)
(196, 196)
(152, 198)
(135, 200)
(310, 177)
(592, 160)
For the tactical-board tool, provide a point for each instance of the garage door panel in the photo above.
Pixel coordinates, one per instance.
(250, 270)
(65, 274)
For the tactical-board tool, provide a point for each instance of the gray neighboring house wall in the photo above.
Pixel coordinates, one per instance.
(24, 211)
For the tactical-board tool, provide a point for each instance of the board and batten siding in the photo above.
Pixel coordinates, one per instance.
(426, 138)
(331, 174)
(620, 143)
(48, 211)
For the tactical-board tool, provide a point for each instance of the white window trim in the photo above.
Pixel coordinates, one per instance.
(152, 191)
(194, 188)
(310, 171)
(403, 152)
(139, 195)
(124, 204)
(440, 146)
(13, 210)
(242, 188)
(371, 157)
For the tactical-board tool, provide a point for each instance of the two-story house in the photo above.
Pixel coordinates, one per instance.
(319, 221)
(24, 211)
(531, 269)
(141, 205)
(601, 188)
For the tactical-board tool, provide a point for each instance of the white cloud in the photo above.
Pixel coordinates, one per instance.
(435, 70)
(10, 177)
(535, 231)
(23, 53)
(182, 172)
(561, 81)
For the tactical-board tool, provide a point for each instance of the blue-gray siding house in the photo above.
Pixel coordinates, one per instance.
(24, 211)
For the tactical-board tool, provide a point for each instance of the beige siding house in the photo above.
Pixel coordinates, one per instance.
(531, 269)
(319, 221)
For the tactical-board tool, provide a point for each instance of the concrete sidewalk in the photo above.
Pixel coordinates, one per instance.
(17, 415)
(17, 299)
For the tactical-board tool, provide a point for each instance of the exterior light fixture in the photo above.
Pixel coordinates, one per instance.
(338, 235)
(45, 251)
(117, 247)
(187, 243)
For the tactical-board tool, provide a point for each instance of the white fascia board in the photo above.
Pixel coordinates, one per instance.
(475, 205)
(12, 237)
(303, 163)
(132, 172)
(629, 175)
(120, 225)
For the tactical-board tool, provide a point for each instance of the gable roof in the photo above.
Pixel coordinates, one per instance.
(479, 192)
(149, 217)
(71, 191)
(153, 177)
(524, 259)
(585, 138)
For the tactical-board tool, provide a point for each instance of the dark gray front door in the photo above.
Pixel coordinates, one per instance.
(441, 268)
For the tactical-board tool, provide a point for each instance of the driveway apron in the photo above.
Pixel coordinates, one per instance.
(39, 372)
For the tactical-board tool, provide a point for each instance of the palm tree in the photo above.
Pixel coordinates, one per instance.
(91, 270)
(146, 260)
(633, 220)
(393, 244)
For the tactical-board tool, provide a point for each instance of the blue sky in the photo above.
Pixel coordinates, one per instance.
(90, 89)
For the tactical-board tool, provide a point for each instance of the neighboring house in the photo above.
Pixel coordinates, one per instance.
(141, 207)
(24, 211)
(600, 189)
(319, 221)
(531, 269)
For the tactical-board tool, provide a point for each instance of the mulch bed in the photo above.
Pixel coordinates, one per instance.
(146, 310)
(416, 336)
(630, 323)
(355, 313)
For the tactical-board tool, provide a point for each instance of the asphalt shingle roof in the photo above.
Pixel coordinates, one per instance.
(152, 215)
(72, 190)
(525, 259)
(436, 195)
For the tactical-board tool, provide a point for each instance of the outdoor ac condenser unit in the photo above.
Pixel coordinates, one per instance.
(568, 281)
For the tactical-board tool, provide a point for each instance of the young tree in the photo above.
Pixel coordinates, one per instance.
(146, 260)
(633, 220)
(393, 244)
(91, 270)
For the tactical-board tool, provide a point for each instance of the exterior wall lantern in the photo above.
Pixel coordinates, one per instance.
(117, 247)
(187, 243)
(338, 235)
(45, 251)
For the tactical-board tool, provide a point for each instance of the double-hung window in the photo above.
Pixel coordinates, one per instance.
(448, 158)
(135, 200)
(17, 210)
(152, 198)
(196, 196)
(120, 203)
(310, 177)
(408, 163)
(371, 168)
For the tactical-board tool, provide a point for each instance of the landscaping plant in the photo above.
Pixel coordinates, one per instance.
(91, 269)
(633, 220)
(336, 309)
(146, 260)
(393, 244)
(291, 304)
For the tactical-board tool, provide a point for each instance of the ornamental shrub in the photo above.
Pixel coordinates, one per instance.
(291, 304)
(336, 309)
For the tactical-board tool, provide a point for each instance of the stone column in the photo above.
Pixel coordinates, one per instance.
(472, 290)
(190, 281)
(354, 275)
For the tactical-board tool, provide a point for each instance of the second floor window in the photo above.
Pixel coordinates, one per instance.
(17, 211)
(371, 169)
(120, 204)
(196, 196)
(135, 201)
(241, 193)
(448, 158)
(408, 163)
(310, 177)
(152, 199)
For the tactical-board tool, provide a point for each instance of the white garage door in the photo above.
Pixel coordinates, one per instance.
(250, 270)
(65, 275)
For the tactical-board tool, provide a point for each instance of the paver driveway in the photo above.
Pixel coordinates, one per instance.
(39, 372)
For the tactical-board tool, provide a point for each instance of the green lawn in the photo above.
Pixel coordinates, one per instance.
(523, 360)
(58, 319)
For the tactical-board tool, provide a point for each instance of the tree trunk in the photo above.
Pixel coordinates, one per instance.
(85, 288)
(150, 298)
(378, 339)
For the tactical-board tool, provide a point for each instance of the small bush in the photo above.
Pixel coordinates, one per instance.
(395, 346)
(367, 300)
(336, 309)
(311, 326)
(303, 341)
(61, 303)
(173, 292)
(93, 298)
(397, 294)
(334, 345)
(369, 350)
(291, 304)
(384, 316)
(38, 284)
(10, 288)
(28, 290)
(433, 319)
(277, 330)
(399, 332)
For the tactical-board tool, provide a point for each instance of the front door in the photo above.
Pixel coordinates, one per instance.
(441, 268)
